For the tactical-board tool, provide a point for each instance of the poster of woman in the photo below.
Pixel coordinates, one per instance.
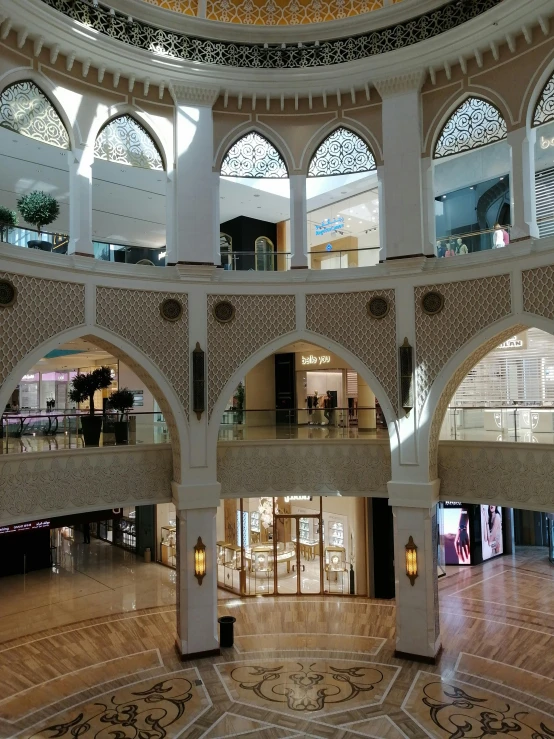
(491, 531)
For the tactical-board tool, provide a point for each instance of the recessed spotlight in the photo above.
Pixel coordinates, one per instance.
(444, 197)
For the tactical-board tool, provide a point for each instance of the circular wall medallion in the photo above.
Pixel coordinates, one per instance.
(432, 303)
(378, 307)
(8, 294)
(224, 311)
(171, 309)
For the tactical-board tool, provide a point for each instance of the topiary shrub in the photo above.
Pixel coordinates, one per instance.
(38, 208)
(8, 219)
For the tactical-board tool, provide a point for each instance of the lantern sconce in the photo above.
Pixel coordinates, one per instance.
(200, 560)
(406, 377)
(198, 381)
(411, 560)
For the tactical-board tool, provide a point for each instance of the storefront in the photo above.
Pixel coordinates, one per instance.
(326, 388)
(469, 534)
(296, 545)
(166, 534)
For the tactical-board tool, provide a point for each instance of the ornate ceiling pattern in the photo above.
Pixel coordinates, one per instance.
(287, 12)
(174, 45)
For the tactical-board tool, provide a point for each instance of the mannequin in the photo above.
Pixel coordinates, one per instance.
(497, 237)
(450, 250)
(441, 249)
(461, 248)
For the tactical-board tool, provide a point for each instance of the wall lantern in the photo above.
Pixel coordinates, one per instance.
(411, 560)
(200, 560)
(406, 377)
(198, 381)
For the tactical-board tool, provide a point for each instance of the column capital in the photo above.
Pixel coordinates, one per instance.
(391, 86)
(413, 494)
(190, 95)
(188, 497)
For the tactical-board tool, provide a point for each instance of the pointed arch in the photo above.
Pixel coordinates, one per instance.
(474, 123)
(123, 140)
(544, 109)
(26, 109)
(253, 155)
(341, 152)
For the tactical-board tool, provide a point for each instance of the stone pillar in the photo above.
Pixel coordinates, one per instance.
(402, 171)
(298, 222)
(195, 194)
(428, 187)
(80, 202)
(366, 399)
(414, 507)
(522, 184)
(197, 631)
(382, 220)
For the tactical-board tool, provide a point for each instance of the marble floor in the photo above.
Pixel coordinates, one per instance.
(312, 667)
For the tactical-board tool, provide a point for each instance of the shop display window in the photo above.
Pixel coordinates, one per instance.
(168, 546)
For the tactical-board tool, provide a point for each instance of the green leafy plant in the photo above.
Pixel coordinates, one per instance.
(83, 386)
(38, 208)
(8, 219)
(122, 401)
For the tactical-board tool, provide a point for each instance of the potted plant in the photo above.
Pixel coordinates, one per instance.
(8, 220)
(239, 397)
(39, 209)
(122, 401)
(83, 387)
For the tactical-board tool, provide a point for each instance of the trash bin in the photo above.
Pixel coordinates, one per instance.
(147, 555)
(226, 629)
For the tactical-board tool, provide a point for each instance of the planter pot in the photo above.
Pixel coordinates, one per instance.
(121, 430)
(42, 245)
(92, 427)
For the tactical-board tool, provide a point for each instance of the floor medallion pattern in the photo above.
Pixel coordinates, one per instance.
(455, 709)
(158, 708)
(308, 685)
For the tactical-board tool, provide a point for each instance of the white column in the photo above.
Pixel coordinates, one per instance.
(197, 632)
(522, 184)
(428, 187)
(195, 195)
(366, 399)
(80, 202)
(298, 222)
(170, 224)
(382, 210)
(402, 171)
(417, 606)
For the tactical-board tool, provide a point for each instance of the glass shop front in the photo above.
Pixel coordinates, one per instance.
(295, 545)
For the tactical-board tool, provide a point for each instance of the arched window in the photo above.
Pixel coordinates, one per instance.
(25, 109)
(124, 141)
(544, 111)
(342, 152)
(253, 156)
(473, 124)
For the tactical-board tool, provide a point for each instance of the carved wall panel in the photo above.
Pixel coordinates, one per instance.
(259, 319)
(513, 475)
(43, 309)
(469, 307)
(295, 467)
(135, 315)
(343, 318)
(538, 291)
(47, 484)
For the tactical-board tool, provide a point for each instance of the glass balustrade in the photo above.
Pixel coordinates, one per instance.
(42, 431)
(457, 245)
(532, 424)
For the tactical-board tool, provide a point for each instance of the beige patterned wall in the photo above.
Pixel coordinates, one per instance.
(450, 389)
(343, 318)
(135, 315)
(538, 291)
(469, 307)
(43, 309)
(259, 319)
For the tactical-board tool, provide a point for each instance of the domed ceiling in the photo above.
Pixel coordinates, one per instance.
(275, 12)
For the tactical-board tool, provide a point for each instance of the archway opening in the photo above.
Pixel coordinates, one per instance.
(543, 121)
(343, 203)
(254, 207)
(472, 180)
(129, 194)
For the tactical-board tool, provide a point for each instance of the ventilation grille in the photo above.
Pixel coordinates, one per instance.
(524, 375)
(544, 188)
(351, 384)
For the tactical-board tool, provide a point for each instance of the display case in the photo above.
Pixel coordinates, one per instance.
(126, 535)
(168, 546)
(336, 534)
(232, 556)
(305, 530)
(255, 533)
(335, 568)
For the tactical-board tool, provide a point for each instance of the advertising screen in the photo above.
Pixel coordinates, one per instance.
(456, 536)
(491, 531)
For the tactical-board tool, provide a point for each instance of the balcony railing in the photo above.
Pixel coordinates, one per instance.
(30, 238)
(469, 243)
(531, 424)
(41, 431)
(302, 423)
